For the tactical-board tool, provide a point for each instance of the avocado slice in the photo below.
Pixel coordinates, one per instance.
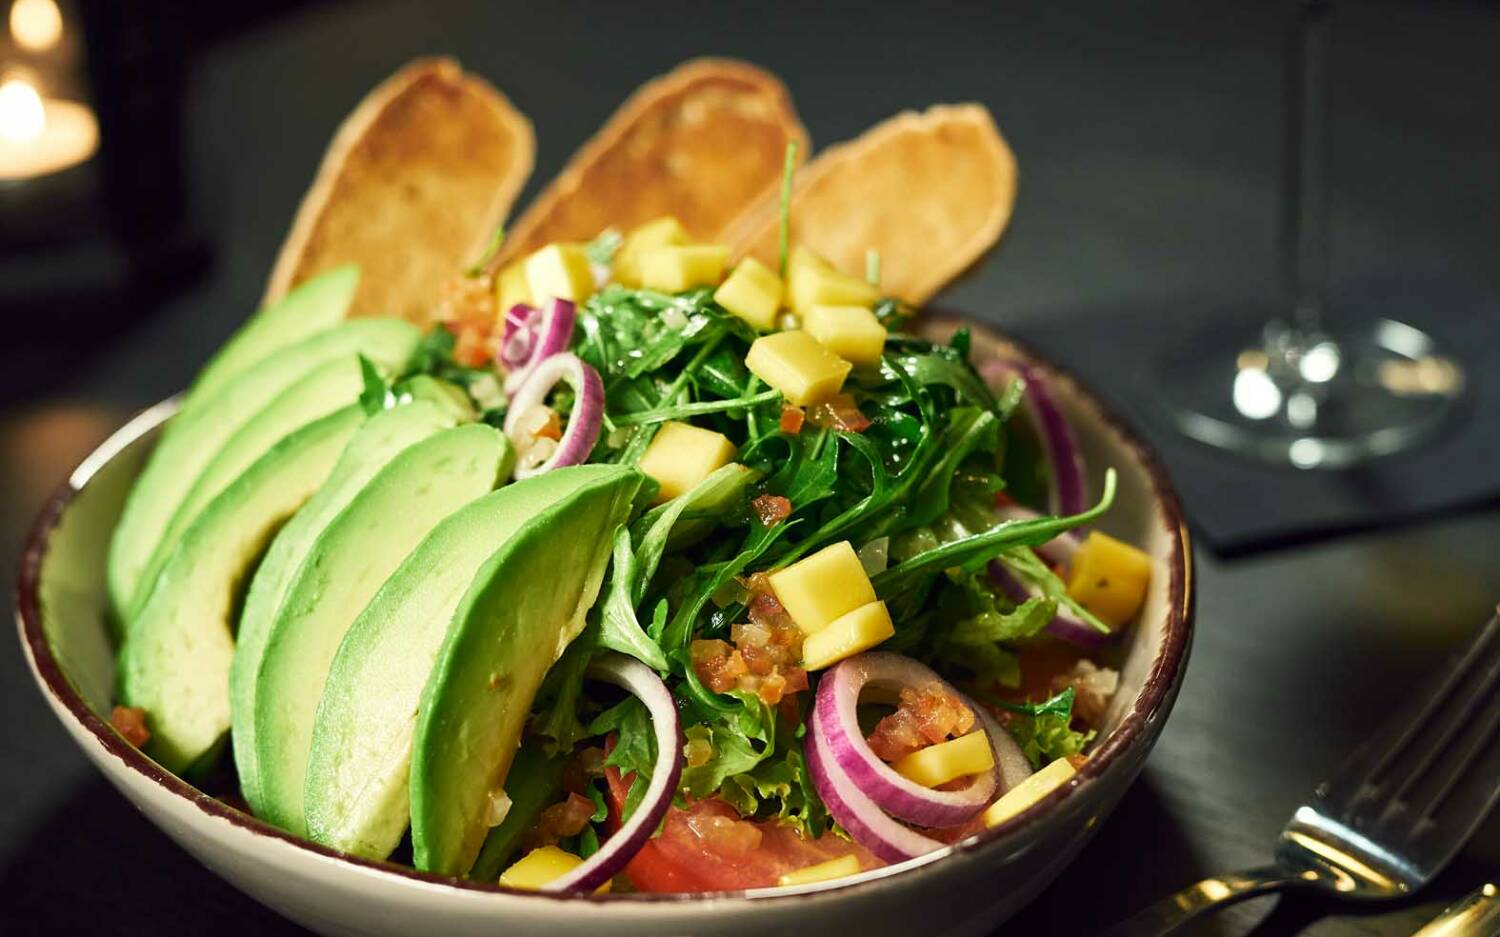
(348, 562)
(196, 434)
(378, 441)
(325, 389)
(312, 307)
(526, 604)
(175, 662)
(445, 394)
(356, 797)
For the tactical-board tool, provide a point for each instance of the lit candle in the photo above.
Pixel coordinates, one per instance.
(41, 136)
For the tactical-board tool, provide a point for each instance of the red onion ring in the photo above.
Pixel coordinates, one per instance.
(1011, 763)
(552, 327)
(519, 337)
(583, 423)
(850, 804)
(1067, 492)
(1063, 625)
(642, 682)
(834, 719)
(860, 817)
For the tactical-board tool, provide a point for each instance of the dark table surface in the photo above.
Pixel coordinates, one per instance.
(1148, 144)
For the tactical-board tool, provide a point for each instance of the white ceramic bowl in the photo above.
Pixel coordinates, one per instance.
(965, 889)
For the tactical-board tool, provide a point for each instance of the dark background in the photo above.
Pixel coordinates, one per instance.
(1149, 138)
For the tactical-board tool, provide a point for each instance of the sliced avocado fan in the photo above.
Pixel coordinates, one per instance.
(527, 603)
(356, 797)
(319, 304)
(196, 434)
(325, 389)
(175, 662)
(378, 441)
(353, 556)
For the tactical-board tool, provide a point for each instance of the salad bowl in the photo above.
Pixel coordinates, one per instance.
(968, 888)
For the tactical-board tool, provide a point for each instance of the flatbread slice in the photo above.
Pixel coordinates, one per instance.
(412, 188)
(932, 192)
(701, 143)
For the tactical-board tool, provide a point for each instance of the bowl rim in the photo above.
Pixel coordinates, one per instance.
(1155, 697)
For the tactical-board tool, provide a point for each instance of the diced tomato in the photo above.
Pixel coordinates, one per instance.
(791, 419)
(705, 846)
(771, 509)
(130, 722)
(925, 716)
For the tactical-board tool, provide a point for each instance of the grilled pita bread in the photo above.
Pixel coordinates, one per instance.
(701, 143)
(932, 192)
(412, 188)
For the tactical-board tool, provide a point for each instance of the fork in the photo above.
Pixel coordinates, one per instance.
(1398, 811)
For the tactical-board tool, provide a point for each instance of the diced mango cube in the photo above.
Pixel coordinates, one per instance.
(752, 292)
(1028, 792)
(851, 332)
(683, 266)
(819, 588)
(941, 763)
(1109, 578)
(559, 271)
(798, 365)
(846, 636)
(841, 867)
(540, 866)
(681, 455)
(511, 289)
(812, 281)
(663, 232)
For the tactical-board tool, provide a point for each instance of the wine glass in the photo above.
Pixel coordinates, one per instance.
(1303, 390)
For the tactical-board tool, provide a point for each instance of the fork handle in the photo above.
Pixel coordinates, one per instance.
(1165, 916)
(1475, 914)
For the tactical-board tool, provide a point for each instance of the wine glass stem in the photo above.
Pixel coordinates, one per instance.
(1305, 218)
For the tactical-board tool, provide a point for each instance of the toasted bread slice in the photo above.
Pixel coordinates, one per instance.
(931, 192)
(412, 188)
(701, 143)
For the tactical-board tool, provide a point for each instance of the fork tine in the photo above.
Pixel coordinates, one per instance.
(1487, 742)
(1458, 719)
(1436, 703)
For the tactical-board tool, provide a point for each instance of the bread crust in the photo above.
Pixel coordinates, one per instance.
(931, 191)
(413, 186)
(701, 143)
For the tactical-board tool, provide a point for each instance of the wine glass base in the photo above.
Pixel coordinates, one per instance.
(1330, 399)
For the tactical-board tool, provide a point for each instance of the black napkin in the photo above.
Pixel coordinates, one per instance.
(1240, 506)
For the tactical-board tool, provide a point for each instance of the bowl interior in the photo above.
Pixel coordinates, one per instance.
(62, 588)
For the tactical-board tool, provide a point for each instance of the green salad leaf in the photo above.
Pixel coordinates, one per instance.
(1045, 730)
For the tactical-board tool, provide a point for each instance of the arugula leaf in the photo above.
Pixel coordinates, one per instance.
(1026, 564)
(969, 430)
(720, 492)
(488, 254)
(732, 754)
(635, 746)
(985, 546)
(619, 629)
(376, 395)
(680, 631)
(682, 411)
(1044, 730)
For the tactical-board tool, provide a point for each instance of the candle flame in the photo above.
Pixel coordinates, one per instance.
(22, 116)
(36, 24)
